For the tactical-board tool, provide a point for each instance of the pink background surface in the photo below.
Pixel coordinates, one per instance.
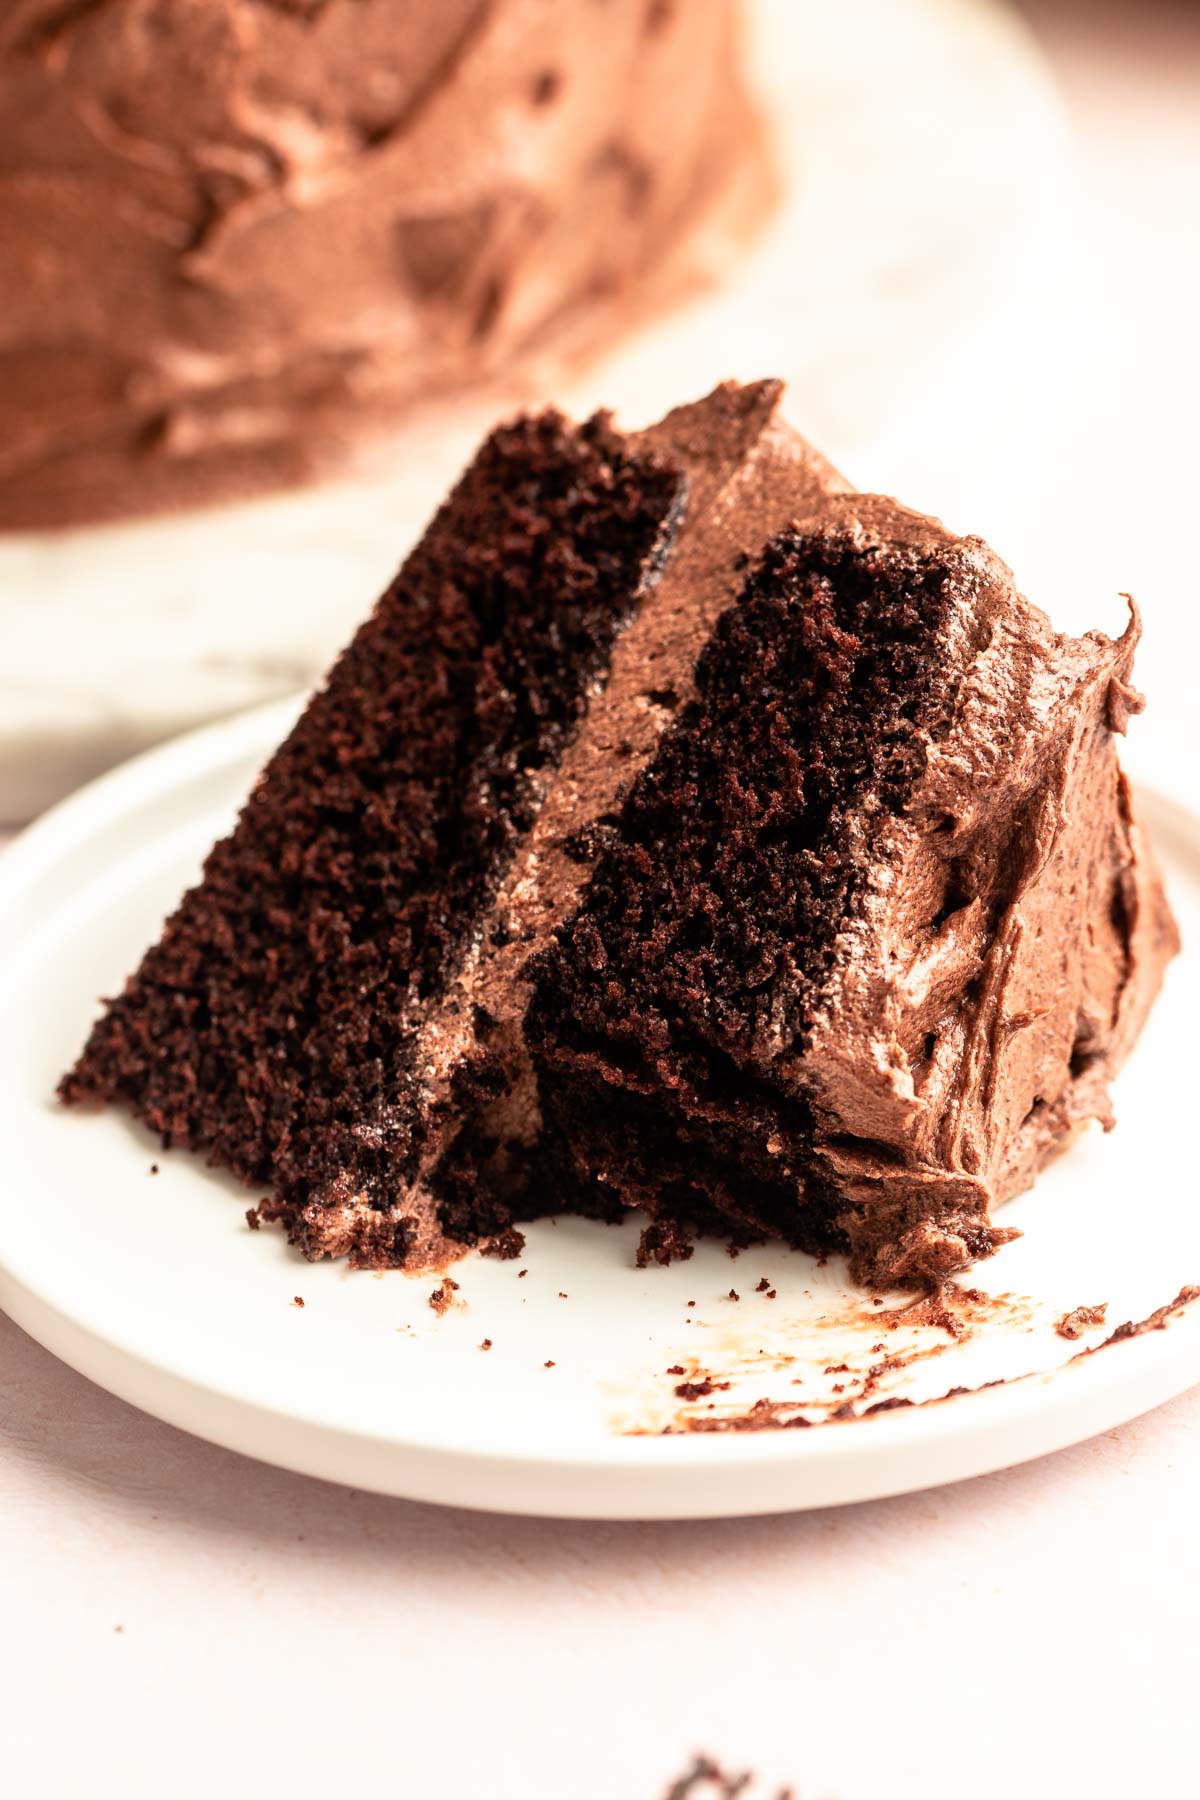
(177, 1620)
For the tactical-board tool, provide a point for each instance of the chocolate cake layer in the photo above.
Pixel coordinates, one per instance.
(683, 831)
(236, 236)
(276, 1025)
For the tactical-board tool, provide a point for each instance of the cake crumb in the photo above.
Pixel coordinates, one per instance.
(1073, 1324)
(298, 1300)
(696, 1390)
(563, 1296)
(707, 1777)
(521, 1274)
(505, 1245)
(442, 1298)
(486, 1344)
(252, 1218)
(119, 1629)
(763, 1285)
(664, 1241)
(154, 1168)
(549, 1364)
(676, 1369)
(733, 1294)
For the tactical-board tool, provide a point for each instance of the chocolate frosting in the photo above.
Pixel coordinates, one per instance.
(1010, 941)
(235, 235)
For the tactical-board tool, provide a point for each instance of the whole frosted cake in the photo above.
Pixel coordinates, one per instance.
(237, 235)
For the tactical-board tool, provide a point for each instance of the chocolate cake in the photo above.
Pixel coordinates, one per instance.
(682, 831)
(238, 235)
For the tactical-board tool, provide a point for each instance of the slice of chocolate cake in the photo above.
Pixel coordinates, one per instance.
(682, 830)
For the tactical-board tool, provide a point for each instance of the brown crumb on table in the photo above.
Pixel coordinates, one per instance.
(252, 1218)
(521, 1274)
(676, 1369)
(154, 1168)
(118, 1628)
(563, 1296)
(708, 1778)
(733, 1294)
(486, 1344)
(442, 1298)
(549, 1364)
(1073, 1324)
(691, 1303)
(298, 1300)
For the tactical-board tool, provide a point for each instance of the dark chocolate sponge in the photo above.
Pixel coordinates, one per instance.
(274, 1025)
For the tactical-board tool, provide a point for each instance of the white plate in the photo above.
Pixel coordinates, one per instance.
(154, 1287)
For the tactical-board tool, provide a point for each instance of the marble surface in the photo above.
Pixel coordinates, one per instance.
(178, 1620)
(902, 290)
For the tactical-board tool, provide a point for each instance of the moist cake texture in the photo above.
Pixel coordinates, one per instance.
(275, 1025)
(684, 831)
(240, 235)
